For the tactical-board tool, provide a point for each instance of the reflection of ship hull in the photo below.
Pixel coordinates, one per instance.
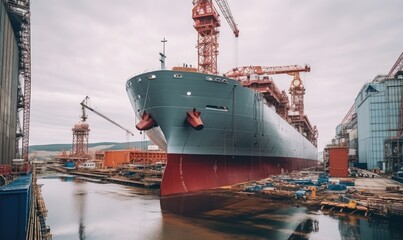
(242, 138)
(266, 219)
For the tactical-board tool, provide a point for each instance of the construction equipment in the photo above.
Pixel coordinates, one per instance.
(239, 72)
(206, 24)
(84, 105)
(257, 78)
(398, 66)
(297, 89)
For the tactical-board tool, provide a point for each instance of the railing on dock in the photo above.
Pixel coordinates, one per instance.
(36, 227)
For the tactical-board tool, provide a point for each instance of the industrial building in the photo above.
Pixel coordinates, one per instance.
(133, 156)
(373, 127)
(22, 211)
(9, 65)
(379, 108)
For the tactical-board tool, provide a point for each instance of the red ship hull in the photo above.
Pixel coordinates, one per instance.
(189, 173)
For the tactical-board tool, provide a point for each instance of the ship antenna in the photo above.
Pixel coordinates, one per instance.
(162, 59)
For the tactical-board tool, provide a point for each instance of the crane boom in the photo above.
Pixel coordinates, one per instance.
(84, 116)
(269, 70)
(226, 11)
(292, 111)
(398, 66)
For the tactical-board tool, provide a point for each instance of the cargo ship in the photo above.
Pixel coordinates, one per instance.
(216, 130)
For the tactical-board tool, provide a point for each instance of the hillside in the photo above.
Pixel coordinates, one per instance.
(91, 146)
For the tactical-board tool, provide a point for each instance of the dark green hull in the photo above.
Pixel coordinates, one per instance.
(238, 123)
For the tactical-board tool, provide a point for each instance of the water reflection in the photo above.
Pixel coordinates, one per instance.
(84, 210)
(226, 217)
(303, 230)
(242, 218)
(80, 196)
(78, 209)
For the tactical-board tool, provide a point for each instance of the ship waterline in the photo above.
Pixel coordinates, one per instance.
(189, 173)
(215, 131)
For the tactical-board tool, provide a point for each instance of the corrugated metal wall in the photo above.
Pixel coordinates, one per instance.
(338, 162)
(15, 200)
(115, 158)
(8, 87)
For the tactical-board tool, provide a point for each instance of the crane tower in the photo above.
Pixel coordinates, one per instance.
(294, 112)
(80, 140)
(206, 24)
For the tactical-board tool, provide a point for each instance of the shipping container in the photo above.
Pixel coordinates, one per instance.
(15, 200)
(135, 156)
(338, 161)
(116, 158)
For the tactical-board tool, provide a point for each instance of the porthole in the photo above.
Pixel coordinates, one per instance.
(152, 76)
(177, 75)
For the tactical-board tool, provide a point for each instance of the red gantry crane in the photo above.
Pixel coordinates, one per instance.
(294, 113)
(398, 66)
(267, 87)
(206, 24)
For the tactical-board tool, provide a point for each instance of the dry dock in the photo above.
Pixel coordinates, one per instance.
(373, 195)
(379, 196)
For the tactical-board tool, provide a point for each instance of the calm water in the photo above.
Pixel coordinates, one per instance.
(78, 209)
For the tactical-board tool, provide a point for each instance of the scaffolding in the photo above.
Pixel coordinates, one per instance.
(394, 154)
(80, 141)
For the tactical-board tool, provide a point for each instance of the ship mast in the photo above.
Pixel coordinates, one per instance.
(162, 55)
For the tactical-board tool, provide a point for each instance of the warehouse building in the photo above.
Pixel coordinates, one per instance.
(379, 107)
(372, 130)
(9, 63)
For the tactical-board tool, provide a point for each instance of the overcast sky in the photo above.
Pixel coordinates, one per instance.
(92, 47)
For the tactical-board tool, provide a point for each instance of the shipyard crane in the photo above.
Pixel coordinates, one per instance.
(294, 112)
(84, 105)
(239, 72)
(398, 66)
(296, 90)
(206, 24)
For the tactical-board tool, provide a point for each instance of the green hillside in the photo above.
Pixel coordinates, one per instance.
(67, 147)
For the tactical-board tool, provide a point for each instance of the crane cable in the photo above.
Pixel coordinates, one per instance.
(236, 52)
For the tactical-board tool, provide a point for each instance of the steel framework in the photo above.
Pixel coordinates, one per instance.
(294, 113)
(206, 24)
(84, 105)
(398, 66)
(296, 90)
(239, 72)
(80, 141)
